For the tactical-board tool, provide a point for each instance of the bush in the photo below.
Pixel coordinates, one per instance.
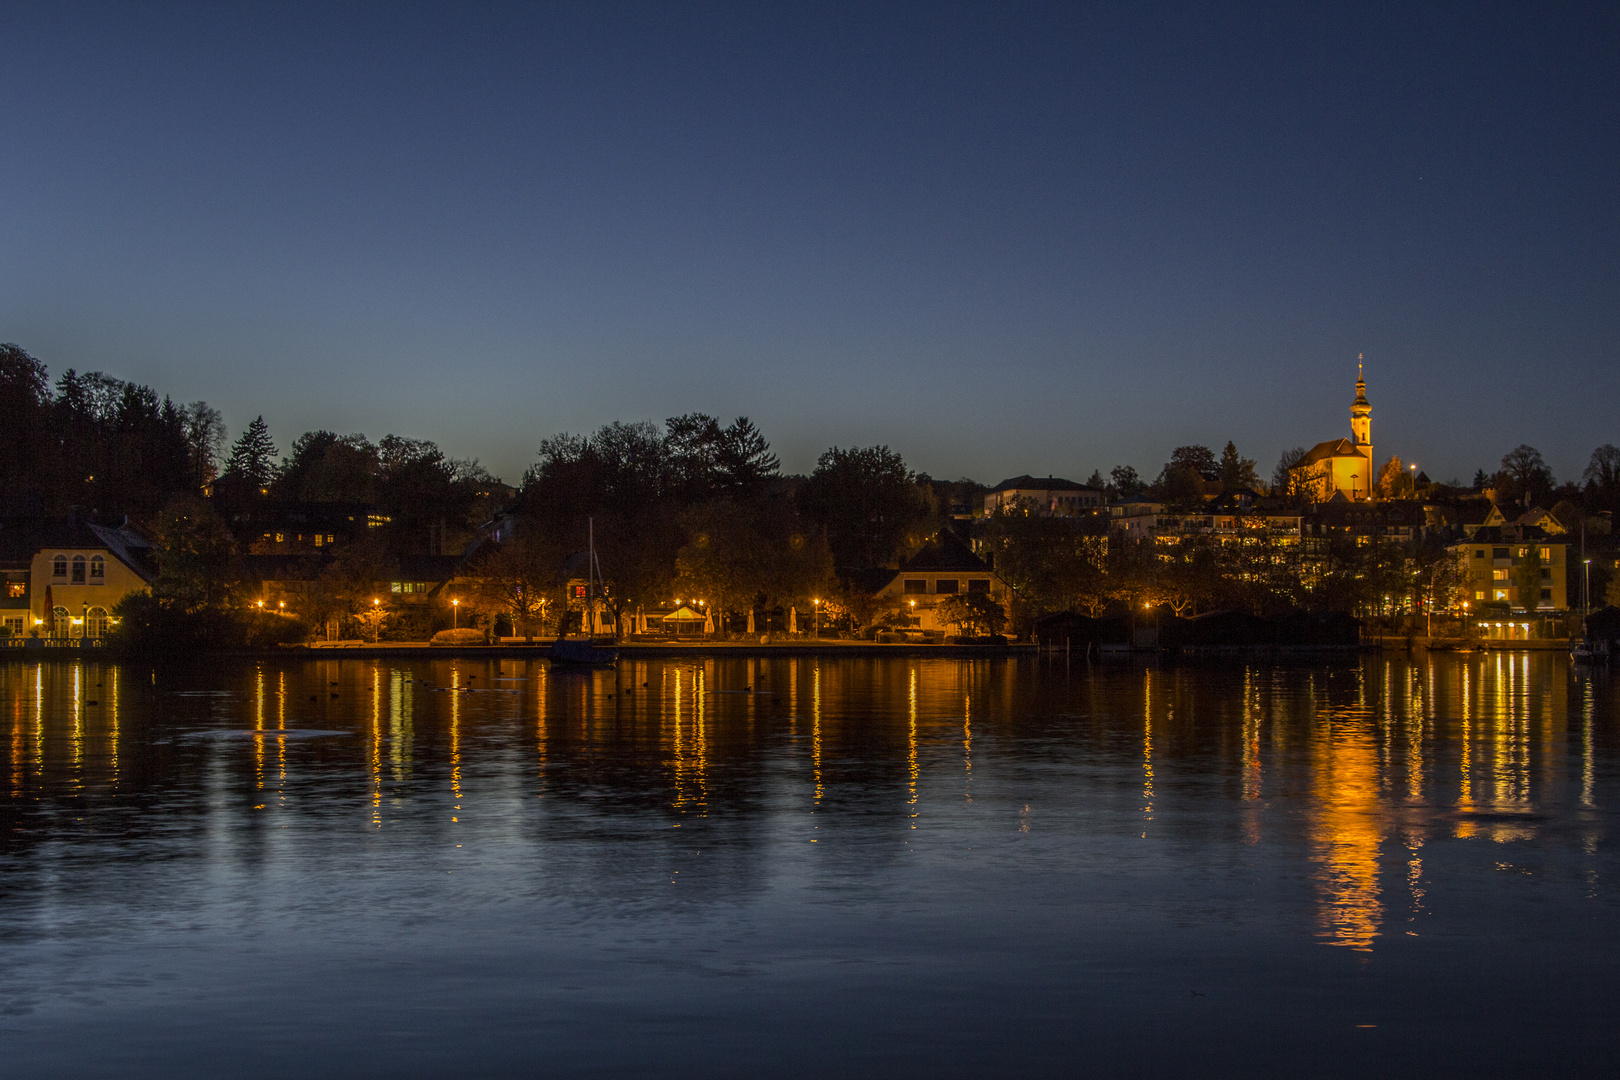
(464, 636)
(146, 625)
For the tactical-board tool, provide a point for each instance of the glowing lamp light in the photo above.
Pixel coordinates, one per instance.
(281, 604)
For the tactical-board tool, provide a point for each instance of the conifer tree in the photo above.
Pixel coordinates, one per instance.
(253, 456)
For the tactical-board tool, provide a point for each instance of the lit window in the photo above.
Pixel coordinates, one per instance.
(15, 589)
(1479, 594)
(281, 538)
(1501, 594)
(1499, 575)
(318, 539)
(396, 587)
(1546, 554)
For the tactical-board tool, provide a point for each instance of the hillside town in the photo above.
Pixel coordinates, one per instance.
(121, 513)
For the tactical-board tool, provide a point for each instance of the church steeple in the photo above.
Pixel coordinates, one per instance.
(1361, 413)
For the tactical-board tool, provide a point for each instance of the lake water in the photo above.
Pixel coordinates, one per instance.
(809, 867)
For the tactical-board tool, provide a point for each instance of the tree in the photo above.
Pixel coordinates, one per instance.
(1527, 577)
(1525, 477)
(24, 398)
(972, 613)
(1393, 480)
(867, 503)
(1284, 483)
(253, 458)
(522, 581)
(1237, 471)
(1199, 459)
(1125, 482)
(193, 553)
(205, 439)
(1481, 480)
(1095, 480)
(1602, 478)
(1050, 563)
(742, 459)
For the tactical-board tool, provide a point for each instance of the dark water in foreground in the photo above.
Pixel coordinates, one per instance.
(878, 867)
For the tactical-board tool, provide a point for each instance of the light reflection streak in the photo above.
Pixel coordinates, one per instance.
(1346, 834)
(1147, 750)
(967, 747)
(815, 729)
(911, 750)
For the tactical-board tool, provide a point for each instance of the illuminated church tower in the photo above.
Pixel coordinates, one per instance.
(1361, 414)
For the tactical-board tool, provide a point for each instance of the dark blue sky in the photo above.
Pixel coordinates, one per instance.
(1001, 239)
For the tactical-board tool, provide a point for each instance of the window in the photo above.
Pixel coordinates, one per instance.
(78, 569)
(98, 570)
(1499, 553)
(916, 585)
(95, 622)
(318, 539)
(15, 626)
(14, 589)
(1524, 552)
(1499, 575)
(1546, 554)
(1546, 594)
(1546, 574)
(59, 566)
(1479, 553)
(281, 538)
(376, 521)
(1479, 594)
(1501, 594)
(945, 585)
(397, 586)
(978, 585)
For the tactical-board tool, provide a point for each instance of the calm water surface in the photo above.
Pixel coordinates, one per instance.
(809, 868)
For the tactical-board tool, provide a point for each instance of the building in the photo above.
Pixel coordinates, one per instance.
(1341, 466)
(76, 576)
(1052, 496)
(1491, 558)
(944, 568)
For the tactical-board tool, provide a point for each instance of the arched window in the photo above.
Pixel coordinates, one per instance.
(78, 569)
(59, 566)
(95, 622)
(98, 570)
(61, 625)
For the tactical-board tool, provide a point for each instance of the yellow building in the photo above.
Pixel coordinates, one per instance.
(78, 574)
(1491, 559)
(1341, 466)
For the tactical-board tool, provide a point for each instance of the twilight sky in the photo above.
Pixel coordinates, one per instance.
(999, 238)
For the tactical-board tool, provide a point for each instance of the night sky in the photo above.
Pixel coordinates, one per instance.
(1000, 239)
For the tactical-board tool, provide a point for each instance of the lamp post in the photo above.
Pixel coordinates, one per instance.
(1586, 591)
(455, 608)
(816, 601)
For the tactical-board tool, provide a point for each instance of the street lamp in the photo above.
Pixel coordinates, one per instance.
(1586, 590)
(817, 602)
(455, 607)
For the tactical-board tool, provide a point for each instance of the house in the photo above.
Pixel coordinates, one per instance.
(946, 567)
(1403, 520)
(1491, 556)
(1051, 497)
(1341, 466)
(77, 574)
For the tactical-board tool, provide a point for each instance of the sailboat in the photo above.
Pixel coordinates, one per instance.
(587, 650)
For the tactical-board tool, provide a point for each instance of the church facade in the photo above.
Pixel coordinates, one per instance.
(1341, 468)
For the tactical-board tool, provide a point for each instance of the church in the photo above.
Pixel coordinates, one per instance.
(1341, 468)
